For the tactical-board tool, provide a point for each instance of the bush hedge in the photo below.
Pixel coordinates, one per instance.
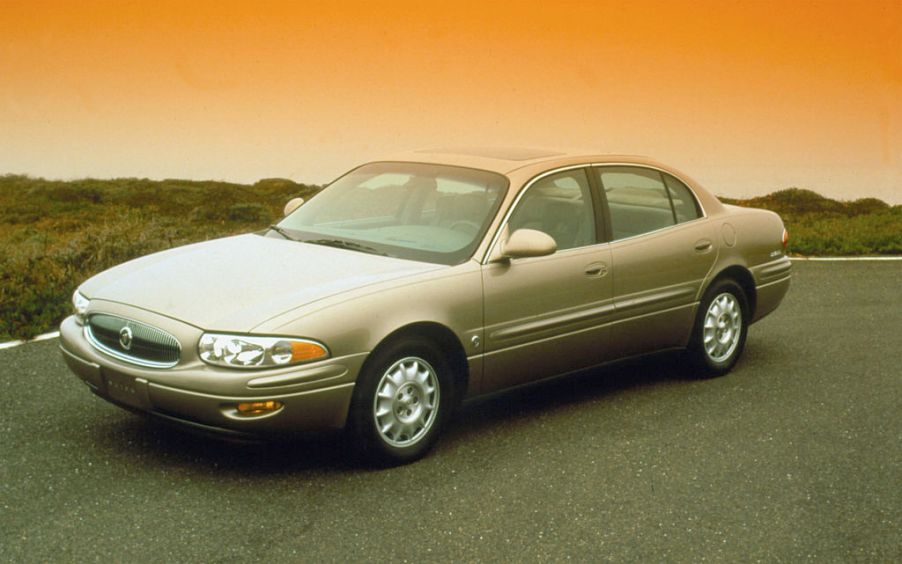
(55, 234)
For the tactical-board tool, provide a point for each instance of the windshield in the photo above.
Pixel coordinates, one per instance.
(425, 212)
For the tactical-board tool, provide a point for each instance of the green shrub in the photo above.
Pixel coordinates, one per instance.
(866, 234)
(864, 206)
(248, 212)
(55, 234)
(34, 293)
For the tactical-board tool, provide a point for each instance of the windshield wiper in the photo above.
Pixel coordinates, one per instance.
(282, 232)
(342, 244)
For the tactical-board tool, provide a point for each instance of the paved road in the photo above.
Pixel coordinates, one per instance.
(796, 455)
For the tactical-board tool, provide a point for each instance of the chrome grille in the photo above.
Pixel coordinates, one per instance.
(147, 346)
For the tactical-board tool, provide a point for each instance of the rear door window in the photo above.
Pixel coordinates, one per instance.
(637, 200)
(684, 205)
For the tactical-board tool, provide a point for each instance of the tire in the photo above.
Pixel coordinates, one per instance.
(721, 327)
(402, 400)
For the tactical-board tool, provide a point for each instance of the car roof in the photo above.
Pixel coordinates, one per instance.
(520, 164)
(505, 160)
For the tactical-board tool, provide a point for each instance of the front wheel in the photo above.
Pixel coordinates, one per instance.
(720, 329)
(402, 400)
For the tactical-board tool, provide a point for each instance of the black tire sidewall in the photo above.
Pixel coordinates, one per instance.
(367, 442)
(700, 358)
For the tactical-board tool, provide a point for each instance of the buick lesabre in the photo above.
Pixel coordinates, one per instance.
(416, 282)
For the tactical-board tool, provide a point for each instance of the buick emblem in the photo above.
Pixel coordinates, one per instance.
(125, 337)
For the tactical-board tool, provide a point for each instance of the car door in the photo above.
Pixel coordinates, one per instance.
(661, 252)
(545, 315)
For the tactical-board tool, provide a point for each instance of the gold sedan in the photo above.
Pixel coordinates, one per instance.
(413, 283)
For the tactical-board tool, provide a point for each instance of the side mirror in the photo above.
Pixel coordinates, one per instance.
(525, 243)
(293, 204)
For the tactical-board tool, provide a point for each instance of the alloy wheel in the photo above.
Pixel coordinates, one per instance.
(406, 402)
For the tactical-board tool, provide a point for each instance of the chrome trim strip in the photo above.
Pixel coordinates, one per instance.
(776, 268)
(655, 297)
(768, 272)
(250, 397)
(557, 321)
(787, 278)
(89, 335)
(647, 233)
(318, 374)
(592, 328)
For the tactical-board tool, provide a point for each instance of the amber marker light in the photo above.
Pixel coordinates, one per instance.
(259, 407)
(303, 351)
(785, 239)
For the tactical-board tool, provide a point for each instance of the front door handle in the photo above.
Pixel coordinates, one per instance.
(703, 245)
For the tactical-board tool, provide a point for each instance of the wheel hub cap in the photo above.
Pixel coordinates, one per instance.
(722, 327)
(406, 401)
(406, 404)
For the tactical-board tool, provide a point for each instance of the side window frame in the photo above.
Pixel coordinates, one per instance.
(600, 208)
(594, 201)
(596, 179)
(699, 213)
(603, 230)
(591, 201)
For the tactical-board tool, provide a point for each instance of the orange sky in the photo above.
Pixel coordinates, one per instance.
(746, 97)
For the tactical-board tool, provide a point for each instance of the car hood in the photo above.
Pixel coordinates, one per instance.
(237, 283)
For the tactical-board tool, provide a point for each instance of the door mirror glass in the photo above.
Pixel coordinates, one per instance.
(293, 204)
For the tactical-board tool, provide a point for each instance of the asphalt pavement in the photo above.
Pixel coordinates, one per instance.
(796, 455)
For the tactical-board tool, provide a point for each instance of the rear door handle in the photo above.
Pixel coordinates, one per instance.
(596, 270)
(702, 245)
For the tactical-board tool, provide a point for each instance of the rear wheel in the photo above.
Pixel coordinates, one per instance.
(402, 400)
(721, 325)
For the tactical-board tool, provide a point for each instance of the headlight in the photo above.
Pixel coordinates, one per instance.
(247, 351)
(80, 305)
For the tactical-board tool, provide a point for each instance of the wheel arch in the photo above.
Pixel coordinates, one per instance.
(742, 276)
(442, 337)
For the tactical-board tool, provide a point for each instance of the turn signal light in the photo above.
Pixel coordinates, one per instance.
(785, 239)
(259, 407)
(303, 350)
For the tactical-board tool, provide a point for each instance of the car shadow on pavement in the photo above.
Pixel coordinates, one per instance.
(565, 393)
(174, 445)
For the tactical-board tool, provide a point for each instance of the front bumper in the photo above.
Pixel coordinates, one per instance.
(315, 397)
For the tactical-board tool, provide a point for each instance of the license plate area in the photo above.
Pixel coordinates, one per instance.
(127, 389)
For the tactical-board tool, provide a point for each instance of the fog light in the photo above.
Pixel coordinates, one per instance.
(259, 407)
